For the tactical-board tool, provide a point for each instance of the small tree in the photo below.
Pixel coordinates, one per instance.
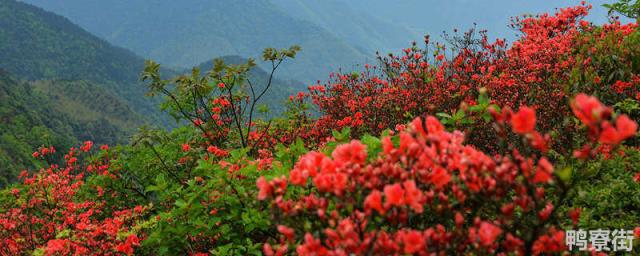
(220, 104)
(628, 8)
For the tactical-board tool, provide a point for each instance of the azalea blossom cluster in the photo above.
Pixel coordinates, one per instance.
(425, 192)
(48, 213)
(538, 70)
(602, 129)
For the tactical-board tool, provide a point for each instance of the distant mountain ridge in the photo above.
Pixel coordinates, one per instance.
(434, 16)
(355, 25)
(184, 33)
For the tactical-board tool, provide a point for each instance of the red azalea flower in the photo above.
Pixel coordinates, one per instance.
(413, 196)
(433, 125)
(440, 177)
(264, 188)
(626, 127)
(609, 134)
(374, 201)
(574, 214)
(86, 146)
(286, 231)
(394, 195)
(543, 172)
(588, 109)
(353, 152)
(488, 233)
(524, 121)
(413, 242)
(57, 246)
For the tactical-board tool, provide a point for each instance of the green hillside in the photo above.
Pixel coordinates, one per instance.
(58, 113)
(26, 121)
(101, 115)
(61, 85)
(184, 33)
(36, 44)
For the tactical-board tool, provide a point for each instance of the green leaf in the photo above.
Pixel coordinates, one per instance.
(565, 174)
(180, 203)
(342, 136)
(443, 115)
(374, 145)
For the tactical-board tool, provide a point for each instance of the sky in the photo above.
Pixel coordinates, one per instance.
(433, 17)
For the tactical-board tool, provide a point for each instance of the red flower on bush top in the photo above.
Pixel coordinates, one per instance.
(217, 151)
(394, 195)
(353, 152)
(589, 109)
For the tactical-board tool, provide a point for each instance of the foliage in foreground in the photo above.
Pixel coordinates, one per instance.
(425, 191)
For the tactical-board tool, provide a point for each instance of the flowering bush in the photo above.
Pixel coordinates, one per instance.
(222, 104)
(556, 57)
(427, 192)
(48, 214)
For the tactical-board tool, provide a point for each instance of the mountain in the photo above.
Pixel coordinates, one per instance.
(39, 45)
(58, 113)
(26, 121)
(97, 114)
(184, 33)
(353, 24)
(60, 85)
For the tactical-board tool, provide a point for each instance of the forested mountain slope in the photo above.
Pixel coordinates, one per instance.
(61, 85)
(184, 33)
(36, 44)
(58, 113)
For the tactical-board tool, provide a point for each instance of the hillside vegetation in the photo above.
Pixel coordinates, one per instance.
(278, 94)
(62, 85)
(56, 113)
(487, 148)
(40, 45)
